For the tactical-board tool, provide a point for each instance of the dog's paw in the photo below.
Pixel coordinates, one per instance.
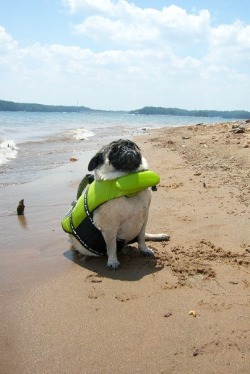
(147, 252)
(113, 264)
(163, 237)
(157, 237)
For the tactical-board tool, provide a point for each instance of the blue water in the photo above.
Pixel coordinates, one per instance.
(31, 143)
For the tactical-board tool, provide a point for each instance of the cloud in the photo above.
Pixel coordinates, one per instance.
(125, 23)
(7, 43)
(90, 5)
(235, 34)
(229, 46)
(138, 57)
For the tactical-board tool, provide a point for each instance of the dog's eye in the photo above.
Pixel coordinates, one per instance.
(128, 145)
(115, 149)
(132, 145)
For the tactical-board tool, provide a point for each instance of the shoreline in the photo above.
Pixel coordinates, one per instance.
(46, 201)
(58, 308)
(53, 138)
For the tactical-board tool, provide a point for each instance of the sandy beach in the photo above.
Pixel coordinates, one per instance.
(184, 311)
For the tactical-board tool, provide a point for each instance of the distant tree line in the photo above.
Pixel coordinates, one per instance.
(149, 110)
(15, 107)
(26, 107)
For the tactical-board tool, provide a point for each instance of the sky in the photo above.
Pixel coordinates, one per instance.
(124, 55)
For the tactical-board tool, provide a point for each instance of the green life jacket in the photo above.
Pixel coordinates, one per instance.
(78, 221)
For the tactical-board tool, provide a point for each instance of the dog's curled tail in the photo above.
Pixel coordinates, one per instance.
(88, 179)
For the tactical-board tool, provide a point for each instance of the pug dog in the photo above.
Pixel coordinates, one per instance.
(121, 217)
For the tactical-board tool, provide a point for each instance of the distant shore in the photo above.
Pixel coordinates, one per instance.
(148, 110)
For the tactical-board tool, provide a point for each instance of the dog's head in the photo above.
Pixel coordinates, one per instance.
(118, 158)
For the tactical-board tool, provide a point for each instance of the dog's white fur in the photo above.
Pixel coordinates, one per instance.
(121, 218)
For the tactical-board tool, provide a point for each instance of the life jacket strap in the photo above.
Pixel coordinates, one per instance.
(89, 220)
(85, 201)
(79, 238)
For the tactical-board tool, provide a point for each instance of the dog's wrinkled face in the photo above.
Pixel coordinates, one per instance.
(121, 156)
(124, 155)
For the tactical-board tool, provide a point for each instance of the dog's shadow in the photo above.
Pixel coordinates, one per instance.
(134, 265)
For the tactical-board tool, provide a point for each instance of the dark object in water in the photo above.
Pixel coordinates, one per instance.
(20, 208)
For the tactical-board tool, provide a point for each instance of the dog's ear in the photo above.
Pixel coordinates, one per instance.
(96, 161)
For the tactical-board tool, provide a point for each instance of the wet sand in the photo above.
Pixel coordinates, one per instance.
(62, 313)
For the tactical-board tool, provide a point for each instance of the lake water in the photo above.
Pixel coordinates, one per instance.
(32, 143)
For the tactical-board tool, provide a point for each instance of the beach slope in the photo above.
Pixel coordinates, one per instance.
(184, 311)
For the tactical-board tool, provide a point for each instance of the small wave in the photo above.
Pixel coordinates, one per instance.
(8, 150)
(80, 134)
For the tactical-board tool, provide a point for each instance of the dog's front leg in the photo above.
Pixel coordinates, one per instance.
(113, 262)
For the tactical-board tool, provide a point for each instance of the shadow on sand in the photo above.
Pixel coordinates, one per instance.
(134, 265)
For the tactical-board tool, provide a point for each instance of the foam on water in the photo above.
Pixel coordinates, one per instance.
(80, 134)
(8, 150)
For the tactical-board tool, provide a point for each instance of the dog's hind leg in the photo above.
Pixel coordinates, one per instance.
(141, 242)
(157, 237)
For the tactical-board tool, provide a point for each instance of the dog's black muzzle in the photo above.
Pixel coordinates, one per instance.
(125, 159)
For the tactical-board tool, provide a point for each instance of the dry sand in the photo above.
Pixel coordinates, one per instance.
(63, 314)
